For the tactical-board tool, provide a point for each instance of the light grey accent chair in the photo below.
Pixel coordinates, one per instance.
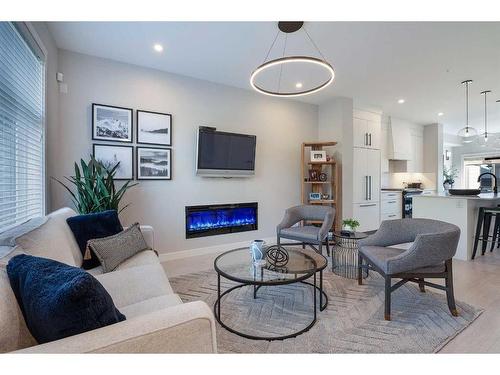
(430, 256)
(307, 234)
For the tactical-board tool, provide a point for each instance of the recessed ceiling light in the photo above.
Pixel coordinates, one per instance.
(401, 101)
(158, 47)
(440, 114)
(298, 85)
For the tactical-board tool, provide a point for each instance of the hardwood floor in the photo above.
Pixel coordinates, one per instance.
(476, 282)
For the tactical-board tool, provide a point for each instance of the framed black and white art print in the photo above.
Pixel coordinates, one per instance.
(110, 155)
(154, 163)
(154, 128)
(111, 123)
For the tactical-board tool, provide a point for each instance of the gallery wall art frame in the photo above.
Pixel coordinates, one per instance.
(108, 123)
(150, 119)
(142, 174)
(123, 163)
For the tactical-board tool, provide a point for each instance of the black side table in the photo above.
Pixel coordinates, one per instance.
(345, 255)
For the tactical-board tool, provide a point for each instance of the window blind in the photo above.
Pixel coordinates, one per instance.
(21, 129)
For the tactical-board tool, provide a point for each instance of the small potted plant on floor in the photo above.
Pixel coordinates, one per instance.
(449, 175)
(350, 225)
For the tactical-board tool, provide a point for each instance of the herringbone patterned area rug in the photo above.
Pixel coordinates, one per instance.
(352, 323)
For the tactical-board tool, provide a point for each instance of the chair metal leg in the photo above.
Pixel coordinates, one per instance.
(479, 224)
(387, 311)
(327, 247)
(320, 248)
(360, 269)
(303, 245)
(486, 232)
(449, 288)
(421, 285)
(496, 227)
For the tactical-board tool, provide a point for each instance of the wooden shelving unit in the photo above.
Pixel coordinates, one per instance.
(331, 186)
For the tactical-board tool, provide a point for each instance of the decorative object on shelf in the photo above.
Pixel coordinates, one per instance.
(154, 128)
(258, 252)
(350, 225)
(318, 156)
(328, 158)
(483, 139)
(277, 255)
(95, 188)
(449, 175)
(325, 196)
(467, 134)
(322, 177)
(313, 175)
(112, 124)
(120, 156)
(314, 196)
(263, 75)
(154, 163)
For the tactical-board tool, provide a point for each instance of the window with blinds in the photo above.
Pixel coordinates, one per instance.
(21, 128)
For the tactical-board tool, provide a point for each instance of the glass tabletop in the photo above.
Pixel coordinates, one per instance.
(351, 236)
(237, 265)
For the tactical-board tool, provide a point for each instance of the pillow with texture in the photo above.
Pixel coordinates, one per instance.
(58, 300)
(113, 250)
(91, 226)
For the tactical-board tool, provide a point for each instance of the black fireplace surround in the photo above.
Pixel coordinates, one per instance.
(210, 220)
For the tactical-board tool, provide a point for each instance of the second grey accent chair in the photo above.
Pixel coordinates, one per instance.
(307, 234)
(430, 256)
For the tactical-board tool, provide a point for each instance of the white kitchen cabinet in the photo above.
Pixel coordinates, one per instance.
(366, 133)
(366, 175)
(368, 215)
(391, 206)
(416, 162)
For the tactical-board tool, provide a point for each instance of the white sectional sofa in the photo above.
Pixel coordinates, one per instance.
(157, 320)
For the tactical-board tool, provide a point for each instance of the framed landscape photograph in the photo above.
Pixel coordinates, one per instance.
(110, 155)
(154, 163)
(111, 123)
(154, 128)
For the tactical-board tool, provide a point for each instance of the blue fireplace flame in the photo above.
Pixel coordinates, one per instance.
(221, 218)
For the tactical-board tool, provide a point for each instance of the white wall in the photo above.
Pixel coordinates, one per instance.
(335, 124)
(280, 125)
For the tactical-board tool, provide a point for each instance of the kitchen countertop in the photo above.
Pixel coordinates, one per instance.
(482, 196)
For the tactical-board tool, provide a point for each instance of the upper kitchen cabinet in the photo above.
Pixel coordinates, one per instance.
(366, 129)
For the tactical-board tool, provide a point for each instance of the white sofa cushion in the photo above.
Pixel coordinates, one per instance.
(140, 259)
(53, 240)
(14, 333)
(150, 305)
(136, 284)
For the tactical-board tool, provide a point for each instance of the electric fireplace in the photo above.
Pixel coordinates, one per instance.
(216, 219)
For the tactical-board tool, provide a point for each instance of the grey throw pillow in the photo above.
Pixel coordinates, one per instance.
(113, 250)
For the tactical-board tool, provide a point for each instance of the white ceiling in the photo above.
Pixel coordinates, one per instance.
(376, 63)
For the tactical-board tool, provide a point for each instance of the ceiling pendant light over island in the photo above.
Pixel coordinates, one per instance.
(320, 74)
(467, 134)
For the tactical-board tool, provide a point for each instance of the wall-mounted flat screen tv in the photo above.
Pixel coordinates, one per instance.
(222, 154)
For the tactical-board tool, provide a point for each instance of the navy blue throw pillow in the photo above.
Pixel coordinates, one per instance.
(58, 300)
(91, 226)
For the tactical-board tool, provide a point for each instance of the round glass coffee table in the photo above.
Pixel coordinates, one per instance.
(237, 265)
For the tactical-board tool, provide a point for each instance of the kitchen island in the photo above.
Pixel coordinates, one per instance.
(460, 210)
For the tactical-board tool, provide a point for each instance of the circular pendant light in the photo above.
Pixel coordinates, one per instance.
(275, 87)
(485, 138)
(467, 134)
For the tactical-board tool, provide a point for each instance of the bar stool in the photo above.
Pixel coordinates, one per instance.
(484, 219)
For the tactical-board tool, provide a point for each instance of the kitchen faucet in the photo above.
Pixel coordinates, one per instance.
(495, 189)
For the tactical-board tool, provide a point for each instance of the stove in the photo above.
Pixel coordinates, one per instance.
(407, 200)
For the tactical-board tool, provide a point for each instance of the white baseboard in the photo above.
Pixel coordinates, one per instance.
(165, 257)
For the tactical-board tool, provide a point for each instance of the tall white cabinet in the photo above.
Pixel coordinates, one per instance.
(367, 129)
